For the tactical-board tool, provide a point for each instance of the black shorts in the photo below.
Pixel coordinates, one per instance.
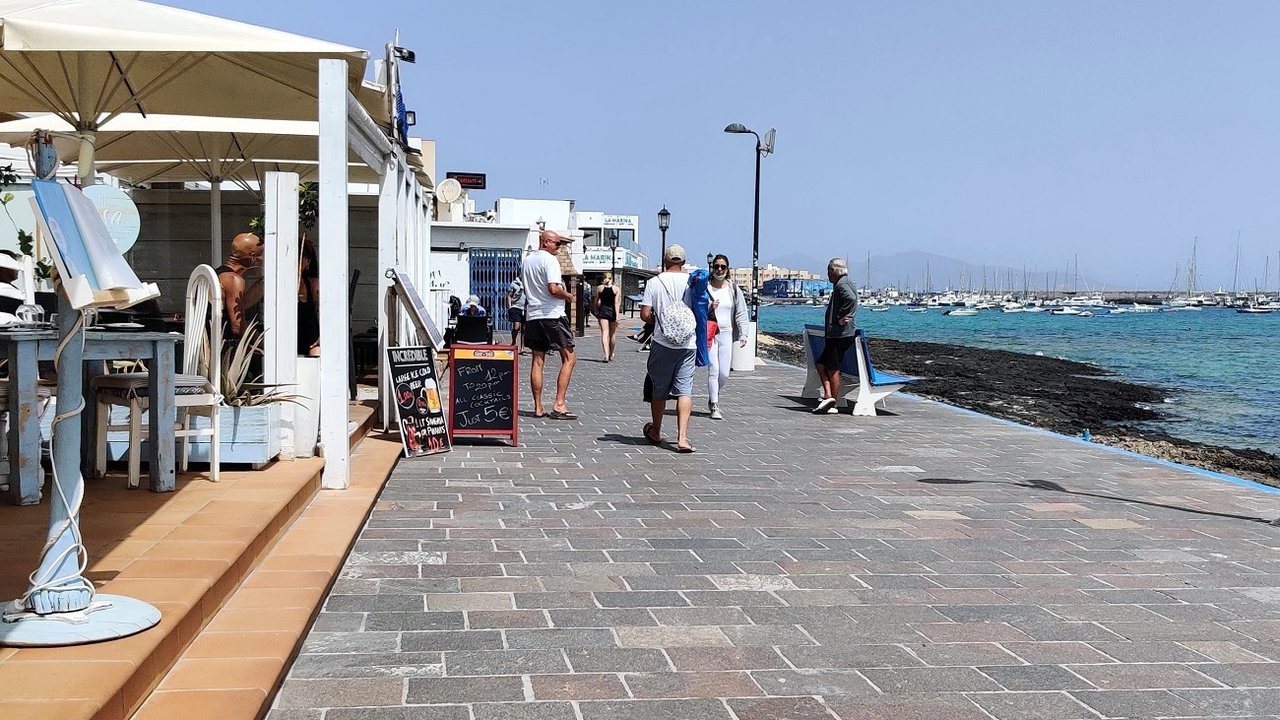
(834, 349)
(547, 335)
(515, 315)
(607, 313)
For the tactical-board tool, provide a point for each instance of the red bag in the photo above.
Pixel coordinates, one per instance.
(712, 329)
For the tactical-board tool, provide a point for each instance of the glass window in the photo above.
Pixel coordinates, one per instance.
(626, 238)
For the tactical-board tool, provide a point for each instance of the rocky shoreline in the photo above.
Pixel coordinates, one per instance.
(1060, 395)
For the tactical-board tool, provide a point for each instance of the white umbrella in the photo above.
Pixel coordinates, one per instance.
(153, 148)
(88, 61)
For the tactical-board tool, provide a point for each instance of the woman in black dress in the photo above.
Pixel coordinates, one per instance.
(607, 305)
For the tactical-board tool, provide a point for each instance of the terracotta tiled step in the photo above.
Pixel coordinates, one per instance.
(183, 552)
(235, 664)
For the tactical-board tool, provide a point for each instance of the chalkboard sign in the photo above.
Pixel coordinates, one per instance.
(403, 288)
(423, 430)
(484, 390)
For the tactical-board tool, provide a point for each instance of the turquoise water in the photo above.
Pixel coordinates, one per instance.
(1222, 367)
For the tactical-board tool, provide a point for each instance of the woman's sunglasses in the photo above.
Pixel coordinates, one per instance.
(719, 266)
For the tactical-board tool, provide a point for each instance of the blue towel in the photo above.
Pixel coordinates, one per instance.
(698, 280)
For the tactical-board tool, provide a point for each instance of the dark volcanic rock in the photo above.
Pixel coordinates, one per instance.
(1052, 393)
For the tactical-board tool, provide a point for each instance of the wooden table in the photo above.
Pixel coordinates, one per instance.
(25, 348)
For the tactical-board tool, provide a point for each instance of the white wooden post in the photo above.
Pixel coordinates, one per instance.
(280, 296)
(334, 260)
(422, 241)
(215, 221)
(388, 255)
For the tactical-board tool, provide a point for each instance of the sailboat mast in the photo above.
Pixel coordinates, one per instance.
(1191, 269)
(1235, 275)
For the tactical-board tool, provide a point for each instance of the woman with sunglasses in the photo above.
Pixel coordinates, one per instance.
(729, 310)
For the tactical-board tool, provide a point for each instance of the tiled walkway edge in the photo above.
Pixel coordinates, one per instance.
(922, 564)
(232, 669)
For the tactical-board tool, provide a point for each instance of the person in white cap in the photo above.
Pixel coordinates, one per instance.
(673, 354)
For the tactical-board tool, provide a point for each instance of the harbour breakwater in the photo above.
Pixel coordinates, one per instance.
(1061, 395)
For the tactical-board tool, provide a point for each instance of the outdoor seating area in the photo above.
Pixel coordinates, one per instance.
(131, 352)
(190, 553)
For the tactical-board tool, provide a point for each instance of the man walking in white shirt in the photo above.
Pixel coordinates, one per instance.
(672, 355)
(546, 325)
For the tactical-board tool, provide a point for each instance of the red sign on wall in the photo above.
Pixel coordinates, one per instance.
(468, 181)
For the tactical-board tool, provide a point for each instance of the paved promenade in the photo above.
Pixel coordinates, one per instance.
(926, 565)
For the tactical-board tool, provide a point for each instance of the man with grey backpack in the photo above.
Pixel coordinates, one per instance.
(668, 300)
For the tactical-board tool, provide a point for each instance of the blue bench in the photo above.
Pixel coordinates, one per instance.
(815, 341)
(873, 385)
(856, 373)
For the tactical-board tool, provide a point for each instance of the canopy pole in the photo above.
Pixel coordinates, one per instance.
(333, 249)
(215, 221)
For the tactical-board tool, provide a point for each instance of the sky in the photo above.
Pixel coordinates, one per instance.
(1013, 133)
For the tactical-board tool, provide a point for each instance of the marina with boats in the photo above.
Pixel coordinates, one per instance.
(970, 301)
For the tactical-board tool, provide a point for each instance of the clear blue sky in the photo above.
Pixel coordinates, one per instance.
(1011, 132)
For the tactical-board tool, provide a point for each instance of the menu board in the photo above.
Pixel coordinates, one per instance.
(423, 430)
(484, 391)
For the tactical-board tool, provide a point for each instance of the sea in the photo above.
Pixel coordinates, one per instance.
(1221, 368)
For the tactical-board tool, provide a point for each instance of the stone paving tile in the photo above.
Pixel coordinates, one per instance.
(868, 568)
(580, 686)
(524, 711)
(918, 706)
(503, 662)
(782, 708)
(1032, 706)
(691, 685)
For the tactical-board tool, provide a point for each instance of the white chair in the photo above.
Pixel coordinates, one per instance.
(198, 388)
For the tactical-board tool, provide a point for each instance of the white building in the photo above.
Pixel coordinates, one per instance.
(611, 242)
(478, 253)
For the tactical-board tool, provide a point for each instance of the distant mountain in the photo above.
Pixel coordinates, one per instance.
(906, 270)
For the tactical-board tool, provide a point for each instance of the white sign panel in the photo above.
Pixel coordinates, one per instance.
(118, 212)
(621, 221)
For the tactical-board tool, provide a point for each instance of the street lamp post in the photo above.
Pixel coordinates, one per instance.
(613, 258)
(764, 146)
(664, 222)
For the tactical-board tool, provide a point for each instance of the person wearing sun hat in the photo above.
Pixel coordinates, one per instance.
(546, 324)
(473, 307)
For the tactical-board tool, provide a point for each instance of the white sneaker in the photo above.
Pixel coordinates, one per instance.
(715, 412)
(833, 410)
(825, 406)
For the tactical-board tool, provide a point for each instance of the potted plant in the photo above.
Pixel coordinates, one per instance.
(250, 418)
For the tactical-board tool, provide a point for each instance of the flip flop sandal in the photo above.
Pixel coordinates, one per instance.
(557, 415)
(648, 428)
(685, 450)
